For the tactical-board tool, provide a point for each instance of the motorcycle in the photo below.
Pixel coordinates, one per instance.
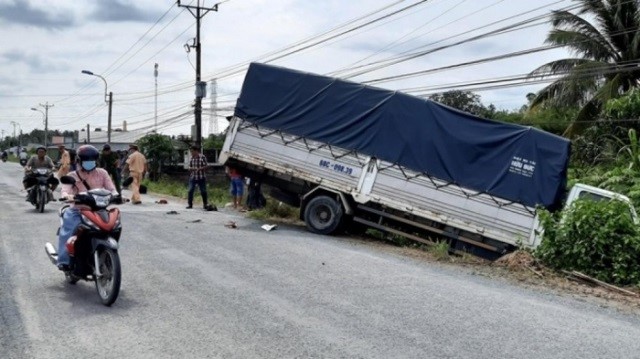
(23, 162)
(93, 249)
(42, 194)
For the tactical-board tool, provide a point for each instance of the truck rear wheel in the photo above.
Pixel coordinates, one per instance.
(323, 215)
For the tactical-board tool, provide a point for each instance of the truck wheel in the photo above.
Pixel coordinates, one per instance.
(323, 215)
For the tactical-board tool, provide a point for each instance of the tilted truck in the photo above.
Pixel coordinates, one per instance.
(354, 157)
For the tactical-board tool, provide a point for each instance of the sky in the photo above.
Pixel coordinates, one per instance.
(45, 46)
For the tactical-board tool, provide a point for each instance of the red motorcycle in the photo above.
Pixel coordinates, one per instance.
(93, 249)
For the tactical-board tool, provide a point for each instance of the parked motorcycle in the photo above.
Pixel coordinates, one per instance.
(93, 249)
(39, 194)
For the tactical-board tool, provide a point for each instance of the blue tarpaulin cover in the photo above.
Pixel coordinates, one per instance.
(517, 163)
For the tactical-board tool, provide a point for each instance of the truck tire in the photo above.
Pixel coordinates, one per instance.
(323, 215)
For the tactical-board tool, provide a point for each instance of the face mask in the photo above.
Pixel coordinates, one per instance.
(88, 165)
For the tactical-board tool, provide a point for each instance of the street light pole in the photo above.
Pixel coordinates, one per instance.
(107, 98)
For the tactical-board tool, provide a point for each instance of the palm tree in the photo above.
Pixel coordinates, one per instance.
(607, 62)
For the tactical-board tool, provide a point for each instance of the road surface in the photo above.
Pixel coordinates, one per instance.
(193, 288)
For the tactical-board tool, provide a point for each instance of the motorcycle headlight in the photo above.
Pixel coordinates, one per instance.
(102, 201)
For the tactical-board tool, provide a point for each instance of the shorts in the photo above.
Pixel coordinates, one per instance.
(237, 187)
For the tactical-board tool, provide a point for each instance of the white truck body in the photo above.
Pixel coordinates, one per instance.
(369, 180)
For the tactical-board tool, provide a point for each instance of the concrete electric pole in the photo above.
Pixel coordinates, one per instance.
(155, 74)
(46, 121)
(199, 13)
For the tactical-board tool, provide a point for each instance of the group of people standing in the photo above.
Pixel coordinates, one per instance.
(197, 169)
(120, 165)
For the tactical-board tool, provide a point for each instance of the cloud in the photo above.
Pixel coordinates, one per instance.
(35, 63)
(122, 11)
(22, 13)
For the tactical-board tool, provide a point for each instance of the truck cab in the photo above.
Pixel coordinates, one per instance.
(579, 191)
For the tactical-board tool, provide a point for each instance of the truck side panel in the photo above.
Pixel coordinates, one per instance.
(449, 204)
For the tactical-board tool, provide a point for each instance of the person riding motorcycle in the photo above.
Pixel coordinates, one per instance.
(4, 155)
(87, 176)
(24, 157)
(39, 160)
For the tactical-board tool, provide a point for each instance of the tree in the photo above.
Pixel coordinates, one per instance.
(158, 149)
(607, 52)
(214, 142)
(466, 101)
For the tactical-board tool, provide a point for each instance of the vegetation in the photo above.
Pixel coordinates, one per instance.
(218, 195)
(608, 50)
(158, 149)
(599, 239)
(275, 210)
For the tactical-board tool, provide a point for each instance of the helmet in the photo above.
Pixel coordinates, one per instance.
(88, 155)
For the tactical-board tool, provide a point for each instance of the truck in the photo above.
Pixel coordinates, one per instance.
(354, 157)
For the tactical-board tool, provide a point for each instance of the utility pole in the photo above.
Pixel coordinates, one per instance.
(109, 119)
(199, 13)
(155, 74)
(14, 123)
(213, 120)
(46, 121)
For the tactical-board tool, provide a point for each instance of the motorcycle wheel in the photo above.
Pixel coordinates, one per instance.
(41, 201)
(108, 285)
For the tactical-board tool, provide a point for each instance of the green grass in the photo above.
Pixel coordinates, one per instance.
(275, 210)
(440, 251)
(218, 195)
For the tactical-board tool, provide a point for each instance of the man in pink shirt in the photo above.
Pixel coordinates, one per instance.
(87, 176)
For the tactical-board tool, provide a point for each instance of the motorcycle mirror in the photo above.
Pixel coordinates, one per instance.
(67, 180)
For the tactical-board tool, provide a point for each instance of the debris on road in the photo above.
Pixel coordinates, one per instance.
(231, 224)
(269, 227)
(172, 212)
(162, 201)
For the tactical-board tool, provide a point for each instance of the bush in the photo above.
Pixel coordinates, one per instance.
(599, 239)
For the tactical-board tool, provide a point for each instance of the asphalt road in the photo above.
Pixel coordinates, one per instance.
(193, 288)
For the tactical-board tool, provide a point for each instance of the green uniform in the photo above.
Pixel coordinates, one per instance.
(109, 161)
